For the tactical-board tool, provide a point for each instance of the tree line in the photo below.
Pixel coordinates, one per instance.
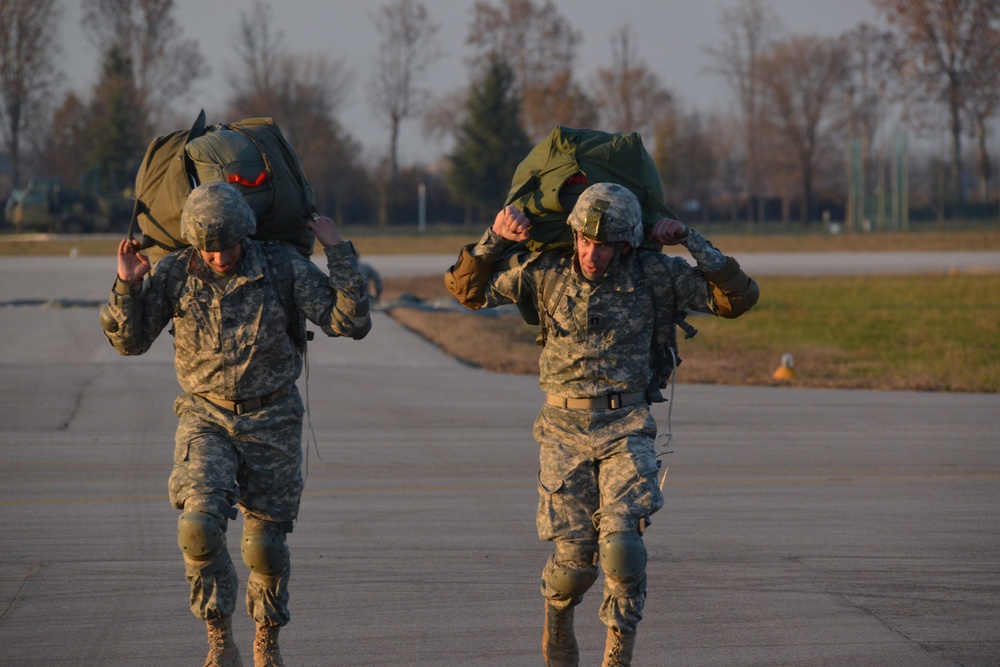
(811, 126)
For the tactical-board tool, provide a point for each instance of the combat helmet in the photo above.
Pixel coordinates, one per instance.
(216, 217)
(609, 213)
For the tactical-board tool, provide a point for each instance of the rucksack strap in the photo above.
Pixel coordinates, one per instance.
(279, 261)
(551, 288)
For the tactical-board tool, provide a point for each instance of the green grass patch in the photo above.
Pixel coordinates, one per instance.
(925, 332)
(922, 332)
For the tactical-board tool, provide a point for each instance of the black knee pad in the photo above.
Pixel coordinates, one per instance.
(623, 555)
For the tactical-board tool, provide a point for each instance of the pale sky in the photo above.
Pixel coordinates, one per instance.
(670, 38)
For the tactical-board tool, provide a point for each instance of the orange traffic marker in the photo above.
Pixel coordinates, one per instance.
(786, 371)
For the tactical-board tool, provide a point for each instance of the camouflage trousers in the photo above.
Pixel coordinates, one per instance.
(597, 476)
(255, 460)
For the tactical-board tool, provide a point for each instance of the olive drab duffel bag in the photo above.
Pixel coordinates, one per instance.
(251, 154)
(549, 180)
(546, 185)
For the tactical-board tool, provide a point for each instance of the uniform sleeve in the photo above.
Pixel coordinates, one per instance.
(338, 303)
(730, 292)
(513, 279)
(136, 314)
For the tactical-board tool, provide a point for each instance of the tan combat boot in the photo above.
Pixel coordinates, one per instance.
(222, 651)
(558, 641)
(618, 649)
(265, 647)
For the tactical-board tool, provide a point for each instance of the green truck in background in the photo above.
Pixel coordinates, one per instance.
(47, 206)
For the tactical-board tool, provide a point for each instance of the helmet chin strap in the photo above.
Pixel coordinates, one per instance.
(615, 259)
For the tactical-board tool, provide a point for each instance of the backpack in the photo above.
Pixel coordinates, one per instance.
(549, 179)
(251, 154)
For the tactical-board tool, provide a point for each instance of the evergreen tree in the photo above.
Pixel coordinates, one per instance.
(490, 142)
(117, 127)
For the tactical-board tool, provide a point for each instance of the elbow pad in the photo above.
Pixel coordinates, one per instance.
(468, 277)
(733, 290)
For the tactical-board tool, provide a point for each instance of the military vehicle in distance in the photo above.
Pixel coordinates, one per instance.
(47, 206)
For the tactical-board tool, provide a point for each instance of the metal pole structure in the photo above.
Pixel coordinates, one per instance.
(422, 208)
(895, 189)
(905, 167)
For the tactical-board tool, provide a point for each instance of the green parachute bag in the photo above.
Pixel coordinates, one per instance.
(250, 154)
(549, 180)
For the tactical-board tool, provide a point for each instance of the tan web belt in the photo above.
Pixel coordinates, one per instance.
(248, 405)
(608, 402)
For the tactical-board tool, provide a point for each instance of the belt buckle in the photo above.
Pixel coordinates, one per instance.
(238, 408)
(614, 401)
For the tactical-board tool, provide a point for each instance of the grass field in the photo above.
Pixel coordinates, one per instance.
(926, 332)
(448, 240)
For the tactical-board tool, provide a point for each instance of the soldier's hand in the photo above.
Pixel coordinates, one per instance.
(325, 230)
(132, 264)
(668, 232)
(512, 224)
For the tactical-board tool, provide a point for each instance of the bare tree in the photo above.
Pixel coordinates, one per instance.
(631, 95)
(27, 50)
(556, 101)
(984, 104)
(407, 49)
(303, 95)
(942, 44)
(258, 50)
(800, 76)
(750, 28)
(686, 156)
(165, 64)
(539, 45)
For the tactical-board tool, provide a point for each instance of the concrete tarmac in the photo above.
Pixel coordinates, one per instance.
(801, 527)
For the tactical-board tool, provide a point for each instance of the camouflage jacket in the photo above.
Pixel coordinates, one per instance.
(233, 341)
(599, 333)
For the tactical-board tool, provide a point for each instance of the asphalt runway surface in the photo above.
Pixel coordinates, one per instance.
(801, 527)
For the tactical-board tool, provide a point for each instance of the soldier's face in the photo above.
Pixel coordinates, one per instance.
(595, 256)
(225, 261)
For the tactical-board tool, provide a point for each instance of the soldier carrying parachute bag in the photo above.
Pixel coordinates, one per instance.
(253, 156)
(545, 187)
(604, 303)
(235, 293)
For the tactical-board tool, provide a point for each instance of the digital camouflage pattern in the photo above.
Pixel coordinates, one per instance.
(598, 467)
(576, 507)
(609, 213)
(599, 335)
(232, 342)
(216, 217)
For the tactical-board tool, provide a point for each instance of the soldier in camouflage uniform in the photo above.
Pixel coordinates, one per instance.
(240, 416)
(598, 471)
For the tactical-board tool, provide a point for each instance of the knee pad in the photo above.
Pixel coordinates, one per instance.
(200, 536)
(623, 555)
(264, 548)
(570, 583)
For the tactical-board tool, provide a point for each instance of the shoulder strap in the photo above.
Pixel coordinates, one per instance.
(177, 277)
(279, 262)
(551, 288)
(665, 356)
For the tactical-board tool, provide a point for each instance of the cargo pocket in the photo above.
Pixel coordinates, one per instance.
(551, 518)
(255, 489)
